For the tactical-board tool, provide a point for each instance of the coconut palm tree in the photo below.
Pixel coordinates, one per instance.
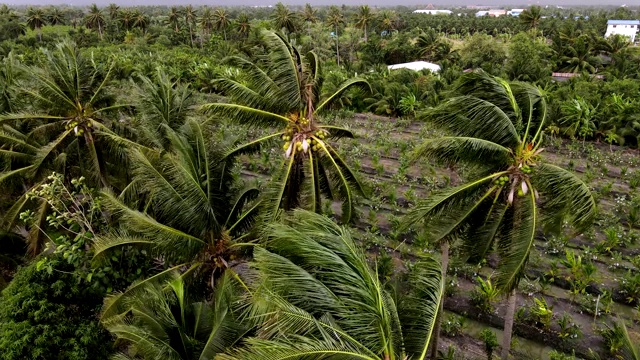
(363, 19)
(531, 17)
(496, 128)
(174, 18)
(206, 22)
(309, 14)
(283, 90)
(95, 20)
(126, 19)
(114, 11)
(336, 19)
(36, 19)
(243, 25)
(163, 320)
(316, 297)
(182, 205)
(64, 127)
(283, 18)
(56, 17)
(140, 20)
(388, 21)
(190, 17)
(221, 21)
(579, 56)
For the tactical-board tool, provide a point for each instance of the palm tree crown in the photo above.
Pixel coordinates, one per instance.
(496, 128)
(284, 91)
(316, 297)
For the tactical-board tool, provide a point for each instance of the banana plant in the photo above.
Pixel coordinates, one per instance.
(282, 91)
(496, 127)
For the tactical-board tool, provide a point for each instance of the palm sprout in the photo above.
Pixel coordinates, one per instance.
(282, 91)
(316, 297)
(496, 127)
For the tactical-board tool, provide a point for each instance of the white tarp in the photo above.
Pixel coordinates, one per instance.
(417, 66)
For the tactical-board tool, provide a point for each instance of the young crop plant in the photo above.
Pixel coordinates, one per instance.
(283, 90)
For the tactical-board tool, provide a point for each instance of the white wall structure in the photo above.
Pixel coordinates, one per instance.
(416, 66)
(515, 12)
(433, 12)
(627, 28)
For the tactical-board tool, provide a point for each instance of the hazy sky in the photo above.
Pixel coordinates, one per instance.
(439, 3)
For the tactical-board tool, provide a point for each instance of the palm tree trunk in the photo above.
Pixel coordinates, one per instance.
(337, 46)
(191, 34)
(435, 338)
(224, 32)
(365, 33)
(508, 325)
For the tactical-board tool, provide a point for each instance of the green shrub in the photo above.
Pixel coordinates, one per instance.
(48, 316)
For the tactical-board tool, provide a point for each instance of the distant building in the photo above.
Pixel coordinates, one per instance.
(492, 13)
(627, 28)
(416, 66)
(433, 12)
(515, 12)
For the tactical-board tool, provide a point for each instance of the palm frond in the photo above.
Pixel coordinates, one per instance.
(252, 146)
(337, 132)
(565, 197)
(419, 311)
(245, 115)
(469, 150)
(469, 116)
(284, 68)
(351, 83)
(173, 242)
(515, 242)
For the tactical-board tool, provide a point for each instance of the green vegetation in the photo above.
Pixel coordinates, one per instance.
(202, 182)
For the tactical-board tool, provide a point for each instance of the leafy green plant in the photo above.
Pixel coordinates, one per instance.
(449, 354)
(453, 325)
(568, 328)
(541, 312)
(629, 287)
(484, 295)
(596, 305)
(490, 341)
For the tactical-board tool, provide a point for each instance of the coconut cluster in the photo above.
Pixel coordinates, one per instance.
(302, 141)
(79, 128)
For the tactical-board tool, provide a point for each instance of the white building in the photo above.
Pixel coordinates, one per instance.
(515, 12)
(416, 66)
(627, 28)
(433, 12)
(492, 13)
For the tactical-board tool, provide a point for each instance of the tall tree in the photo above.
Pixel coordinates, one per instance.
(335, 18)
(95, 20)
(183, 205)
(190, 18)
(315, 296)
(309, 16)
(126, 18)
(283, 90)
(363, 19)
(221, 21)
(66, 127)
(531, 17)
(174, 18)
(114, 11)
(36, 19)
(206, 22)
(496, 128)
(56, 17)
(140, 20)
(388, 21)
(284, 18)
(243, 25)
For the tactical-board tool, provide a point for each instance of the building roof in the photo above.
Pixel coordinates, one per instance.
(623, 22)
(416, 66)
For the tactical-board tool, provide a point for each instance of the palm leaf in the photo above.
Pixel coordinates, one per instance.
(351, 83)
(565, 197)
(474, 151)
(245, 115)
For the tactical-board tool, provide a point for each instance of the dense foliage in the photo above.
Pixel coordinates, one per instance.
(186, 182)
